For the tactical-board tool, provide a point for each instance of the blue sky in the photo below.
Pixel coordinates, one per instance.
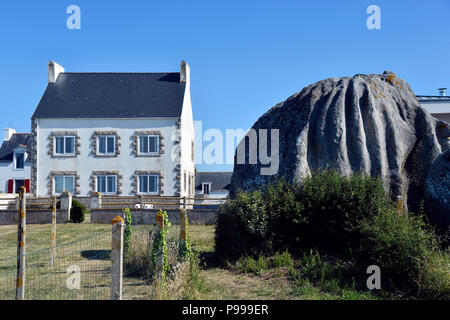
(245, 56)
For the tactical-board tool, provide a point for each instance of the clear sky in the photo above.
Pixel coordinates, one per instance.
(245, 56)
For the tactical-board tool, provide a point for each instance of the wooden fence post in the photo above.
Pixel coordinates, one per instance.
(182, 227)
(53, 238)
(141, 199)
(184, 203)
(159, 254)
(117, 258)
(21, 243)
(399, 205)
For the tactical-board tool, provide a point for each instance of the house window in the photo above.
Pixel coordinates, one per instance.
(148, 144)
(18, 185)
(107, 183)
(65, 145)
(106, 145)
(192, 150)
(148, 183)
(64, 183)
(206, 188)
(20, 161)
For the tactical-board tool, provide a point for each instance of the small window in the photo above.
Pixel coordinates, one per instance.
(148, 144)
(148, 183)
(20, 160)
(64, 183)
(18, 185)
(206, 188)
(106, 145)
(64, 145)
(106, 184)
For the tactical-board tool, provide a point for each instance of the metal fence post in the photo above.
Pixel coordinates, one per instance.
(53, 238)
(21, 243)
(117, 258)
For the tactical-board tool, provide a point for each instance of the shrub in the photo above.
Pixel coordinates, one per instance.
(407, 251)
(76, 215)
(77, 211)
(347, 217)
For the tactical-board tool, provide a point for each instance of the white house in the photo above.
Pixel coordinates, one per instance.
(438, 106)
(114, 133)
(15, 161)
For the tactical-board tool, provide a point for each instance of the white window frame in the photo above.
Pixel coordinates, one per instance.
(106, 183)
(64, 153)
(106, 153)
(148, 175)
(64, 183)
(157, 143)
(16, 154)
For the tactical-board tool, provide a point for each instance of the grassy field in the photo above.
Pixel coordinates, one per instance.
(87, 245)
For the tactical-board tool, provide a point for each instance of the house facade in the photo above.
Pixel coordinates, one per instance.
(438, 105)
(117, 134)
(15, 163)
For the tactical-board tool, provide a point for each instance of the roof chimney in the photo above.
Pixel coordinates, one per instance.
(54, 69)
(442, 92)
(8, 132)
(184, 71)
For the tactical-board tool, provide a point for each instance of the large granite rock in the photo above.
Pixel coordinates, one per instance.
(370, 123)
(437, 191)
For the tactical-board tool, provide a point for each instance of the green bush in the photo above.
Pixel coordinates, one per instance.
(348, 217)
(76, 215)
(407, 251)
(77, 212)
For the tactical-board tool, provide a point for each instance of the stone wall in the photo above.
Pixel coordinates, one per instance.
(148, 216)
(11, 217)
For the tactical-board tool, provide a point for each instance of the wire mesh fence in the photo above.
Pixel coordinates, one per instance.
(81, 270)
(138, 281)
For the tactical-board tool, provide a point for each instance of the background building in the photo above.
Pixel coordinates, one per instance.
(438, 106)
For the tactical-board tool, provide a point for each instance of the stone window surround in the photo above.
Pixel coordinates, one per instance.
(94, 139)
(135, 177)
(135, 143)
(93, 178)
(51, 180)
(51, 144)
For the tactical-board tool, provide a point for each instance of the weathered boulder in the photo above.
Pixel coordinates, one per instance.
(437, 191)
(367, 123)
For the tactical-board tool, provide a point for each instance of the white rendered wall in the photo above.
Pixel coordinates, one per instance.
(187, 137)
(85, 163)
(7, 172)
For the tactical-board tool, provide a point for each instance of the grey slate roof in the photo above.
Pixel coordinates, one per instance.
(220, 181)
(112, 95)
(7, 148)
